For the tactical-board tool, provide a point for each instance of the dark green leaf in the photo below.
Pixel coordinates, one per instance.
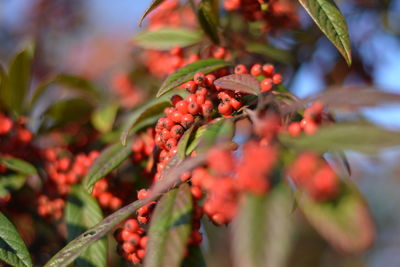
(195, 258)
(153, 109)
(207, 136)
(12, 248)
(331, 22)
(187, 72)
(241, 82)
(208, 19)
(109, 159)
(16, 84)
(81, 213)
(18, 165)
(365, 138)
(152, 6)
(183, 142)
(74, 248)
(69, 81)
(68, 110)
(263, 229)
(279, 55)
(170, 229)
(11, 183)
(345, 223)
(104, 116)
(167, 38)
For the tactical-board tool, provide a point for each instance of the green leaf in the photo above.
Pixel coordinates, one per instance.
(109, 159)
(195, 258)
(153, 5)
(170, 229)
(15, 85)
(153, 110)
(167, 38)
(360, 137)
(207, 136)
(279, 55)
(81, 213)
(18, 165)
(183, 142)
(208, 20)
(187, 72)
(345, 223)
(71, 82)
(239, 82)
(104, 116)
(11, 183)
(74, 248)
(263, 229)
(68, 110)
(12, 248)
(331, 22)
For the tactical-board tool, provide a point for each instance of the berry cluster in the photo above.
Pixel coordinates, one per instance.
(107, 199)
(62, 171)
(313, 174)
(132, 241)
(274, 14)
(266, 71)
(313, 117)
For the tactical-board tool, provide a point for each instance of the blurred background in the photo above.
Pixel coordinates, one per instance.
(92, 38)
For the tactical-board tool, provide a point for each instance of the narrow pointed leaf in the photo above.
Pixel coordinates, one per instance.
(345, 223)
(103, 117)
(260, 223)
(345, 136)
(195, 258)
(12, 248)
(16, 83)
(187, 72)
(241, 82)
(11, 183)
(170, 229)
(207, 136)
(167, 38)
(153, 5)
(109, 160)
(81, 213)
(153, 110)
(18, 165)
(207, 17)
(331, 22)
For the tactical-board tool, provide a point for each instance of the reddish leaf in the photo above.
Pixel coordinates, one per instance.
(239, 82)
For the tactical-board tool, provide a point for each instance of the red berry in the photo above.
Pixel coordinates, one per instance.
(207, 108)
(192, 98)
(143, 193)
(187, 120)
(294, 129)
(240, 69)
(171, 143)
(132, 225)
(199, 78)
(268, 70)
(266, 85)
(190, 86)
(209, 79)
(175, 99)
(235, 103)
(256, 70)
(177, 131)
(200, 99)
(277, 79)
(196, 192)
(176, 117)
(143, 242)
(225, 108)
(128, 247)
(182, 106)
(193, 108)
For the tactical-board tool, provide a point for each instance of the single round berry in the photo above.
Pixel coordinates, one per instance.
(182, 106)
(177, 131)
(266, 85)
(199, 78)
(256, 70)
(225, 108)
(268, 70)
(175, 99)
(193, 108)
(176, 117)
(190, 86)
(240, 69)
(277, 78)
(187, 120)
(294, 129)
